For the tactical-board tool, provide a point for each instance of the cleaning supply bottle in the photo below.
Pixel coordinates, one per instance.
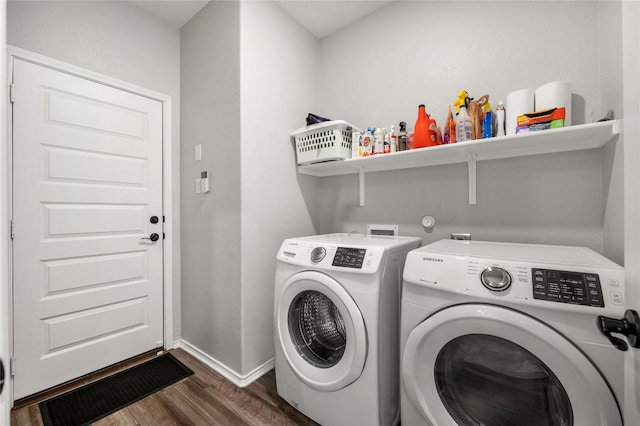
(367, 143)
(433, 132)
(394, 138)
(449, 128)
(500, 117)
(463, 124)
(421, 129)
(378, 141)
(402, 136)
(387, 141)
(487, 122)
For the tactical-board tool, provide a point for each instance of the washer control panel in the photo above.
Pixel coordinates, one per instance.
(349, 257)
(567, 287)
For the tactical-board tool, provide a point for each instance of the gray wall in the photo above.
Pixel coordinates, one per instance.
(552, 199)
(248, 79)
(211, 286)
(279, 62)
(118, 39)
(610, 33)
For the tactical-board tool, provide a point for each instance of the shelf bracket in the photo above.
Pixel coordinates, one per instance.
(361, 186)
(471, 164)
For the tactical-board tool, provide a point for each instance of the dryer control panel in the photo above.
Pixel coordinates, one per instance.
(567, 287)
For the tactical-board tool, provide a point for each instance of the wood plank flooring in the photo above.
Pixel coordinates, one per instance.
(204, 398)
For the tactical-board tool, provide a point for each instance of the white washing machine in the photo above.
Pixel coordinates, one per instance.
(507, 334)
(336, 326)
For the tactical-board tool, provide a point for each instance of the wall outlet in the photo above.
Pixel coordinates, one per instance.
(459, 236)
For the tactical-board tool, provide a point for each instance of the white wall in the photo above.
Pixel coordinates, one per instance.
(279, 64)
(428, 58)
(117, 39)
(211, 282)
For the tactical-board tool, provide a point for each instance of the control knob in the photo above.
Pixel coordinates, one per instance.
(495, 278)
(317, 254)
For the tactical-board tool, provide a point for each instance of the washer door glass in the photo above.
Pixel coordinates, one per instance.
(488, 380)
(317, 329)
(480, 364)
(320, 331)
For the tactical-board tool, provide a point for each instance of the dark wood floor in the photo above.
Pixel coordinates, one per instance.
(204, 398)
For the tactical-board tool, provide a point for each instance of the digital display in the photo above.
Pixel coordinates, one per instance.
(349, 257)
(567, 287)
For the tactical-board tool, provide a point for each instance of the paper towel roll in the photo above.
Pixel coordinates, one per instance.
(518, 103)
(554, 95)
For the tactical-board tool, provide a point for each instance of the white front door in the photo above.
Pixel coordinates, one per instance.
(87, 182)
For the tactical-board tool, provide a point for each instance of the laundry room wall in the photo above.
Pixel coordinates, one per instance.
(211, 286)
(279, 64)
(249, 76)
(610, 40)
(117, 39)
(425, 52)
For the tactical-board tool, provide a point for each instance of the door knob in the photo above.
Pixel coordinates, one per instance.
(153, 219)
(152, 237)
(627, 326)
(1, 375)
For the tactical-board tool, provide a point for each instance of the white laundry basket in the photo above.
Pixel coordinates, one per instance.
(330, 140)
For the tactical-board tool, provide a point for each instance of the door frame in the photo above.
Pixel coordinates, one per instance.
(167, 199)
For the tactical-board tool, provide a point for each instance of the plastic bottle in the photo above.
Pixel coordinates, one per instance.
(393, 138)
(463, 124)
(487, 122)
(402, 137)
(433, 132)
(386, 139)
(378, 141)
(500, 118)
(367, 143)
(421, 129)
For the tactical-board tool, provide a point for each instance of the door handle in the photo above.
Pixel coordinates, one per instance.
(627, 326)
(153, 237)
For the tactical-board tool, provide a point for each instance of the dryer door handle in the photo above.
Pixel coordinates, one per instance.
(627, 326)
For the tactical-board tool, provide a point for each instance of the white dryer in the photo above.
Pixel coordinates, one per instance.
(336, 326)
(507, 334)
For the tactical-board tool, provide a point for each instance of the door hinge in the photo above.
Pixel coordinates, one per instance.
(13, 230)
(12, 95)
(12, 366)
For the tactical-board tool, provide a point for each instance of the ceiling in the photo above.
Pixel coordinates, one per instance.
(320, 17)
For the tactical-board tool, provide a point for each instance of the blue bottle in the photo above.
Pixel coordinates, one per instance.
(487, 122)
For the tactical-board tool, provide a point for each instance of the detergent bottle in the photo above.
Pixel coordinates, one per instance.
(421, 129)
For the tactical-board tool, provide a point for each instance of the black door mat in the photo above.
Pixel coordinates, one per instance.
(96, 400)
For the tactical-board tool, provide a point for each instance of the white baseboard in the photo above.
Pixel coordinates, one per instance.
(228, 373)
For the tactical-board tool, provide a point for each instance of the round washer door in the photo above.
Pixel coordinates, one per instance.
(482, 364)
(321, 331)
